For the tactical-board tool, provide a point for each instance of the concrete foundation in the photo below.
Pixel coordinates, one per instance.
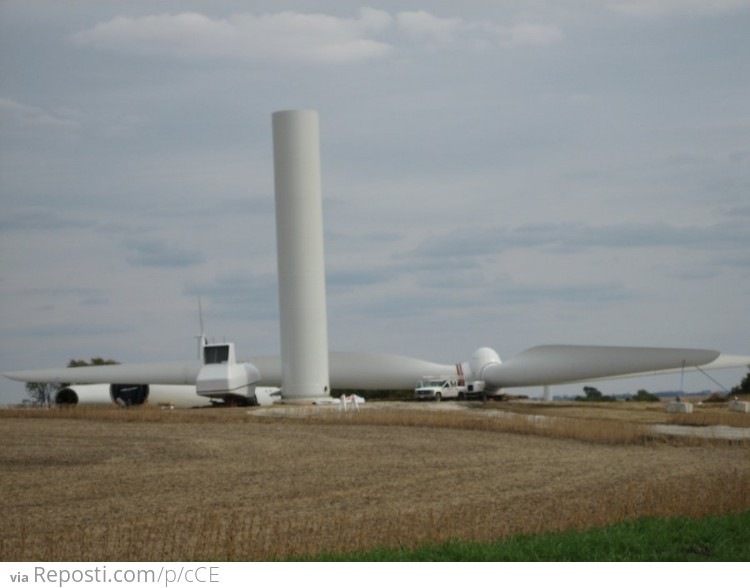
(680, 407)
(738, 406)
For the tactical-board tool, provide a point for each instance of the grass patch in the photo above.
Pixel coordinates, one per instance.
(717, 538)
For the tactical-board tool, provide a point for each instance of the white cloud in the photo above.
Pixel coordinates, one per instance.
(649, 8)
(533, 34)
(280, 37)
(425, 26)
(294, 37)
(33, 116)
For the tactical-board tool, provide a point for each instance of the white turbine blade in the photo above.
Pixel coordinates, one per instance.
(538, 366)
(564, 364)
(380, 371)
(363, 371)
(724, 361)
(134, 373)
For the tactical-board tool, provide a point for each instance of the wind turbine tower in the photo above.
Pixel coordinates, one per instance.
(299, 246)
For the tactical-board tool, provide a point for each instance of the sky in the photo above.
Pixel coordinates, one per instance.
(502, 174)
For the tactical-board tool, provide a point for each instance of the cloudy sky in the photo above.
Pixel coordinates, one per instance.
(494, 173)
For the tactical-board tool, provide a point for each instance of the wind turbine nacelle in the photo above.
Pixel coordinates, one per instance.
(222, 377)
(218, 381)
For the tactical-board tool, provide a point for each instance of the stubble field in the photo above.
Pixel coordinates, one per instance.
(113, 485)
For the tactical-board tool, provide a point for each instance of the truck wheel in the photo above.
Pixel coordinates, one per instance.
(461, 396)
(438, 397)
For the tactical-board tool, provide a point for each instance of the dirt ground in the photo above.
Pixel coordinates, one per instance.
(90, 489)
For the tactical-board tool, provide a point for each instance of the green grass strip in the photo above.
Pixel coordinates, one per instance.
(719, 538)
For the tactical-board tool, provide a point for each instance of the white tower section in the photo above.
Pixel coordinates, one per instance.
(299, 244)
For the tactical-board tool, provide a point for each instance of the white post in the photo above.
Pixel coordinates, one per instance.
(301, 267)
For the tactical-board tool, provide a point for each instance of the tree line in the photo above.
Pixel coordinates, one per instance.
(592, 394)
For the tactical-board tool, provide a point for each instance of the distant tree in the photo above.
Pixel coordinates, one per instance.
(41, 393)
(94, 361)
(716, 397)
(744, 387)
(644, 396)
(593, 395)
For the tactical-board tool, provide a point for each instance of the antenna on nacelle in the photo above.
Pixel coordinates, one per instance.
(202, 340)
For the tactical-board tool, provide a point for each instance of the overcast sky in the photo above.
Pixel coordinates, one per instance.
(494, 173)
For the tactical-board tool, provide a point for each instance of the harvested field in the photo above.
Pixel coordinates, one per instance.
(232, 485)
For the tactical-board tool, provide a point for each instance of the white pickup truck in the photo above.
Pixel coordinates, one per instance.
(439, 387)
